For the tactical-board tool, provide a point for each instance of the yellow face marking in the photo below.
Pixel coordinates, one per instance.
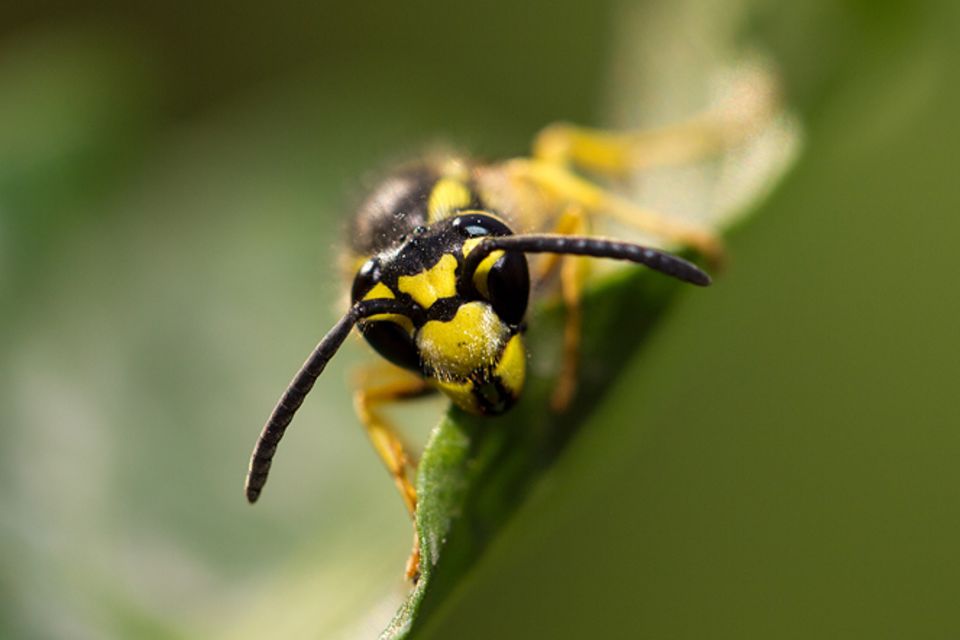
(483, 269)
(461, 393)
(448, 195)
(469, 342)
(512, 368)
(379, 291)
(481, 275)
(429, 286)
(469, 244)
(396, 318)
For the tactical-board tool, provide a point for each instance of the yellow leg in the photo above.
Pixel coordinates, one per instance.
(388, 443)
(616, 153)
(561, 148)
(573, 273)
(568, 187)
(572, 221)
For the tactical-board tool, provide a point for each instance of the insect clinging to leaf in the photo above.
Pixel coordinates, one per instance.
(445, 256)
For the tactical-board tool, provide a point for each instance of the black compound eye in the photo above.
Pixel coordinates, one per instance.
(473, 225)
(367, 276)
(508, 287)
(393, 342)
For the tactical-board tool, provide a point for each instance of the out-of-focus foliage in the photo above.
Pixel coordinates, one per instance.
(173, 186)
(780, 462)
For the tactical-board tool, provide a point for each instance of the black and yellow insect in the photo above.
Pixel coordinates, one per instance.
(441, 278)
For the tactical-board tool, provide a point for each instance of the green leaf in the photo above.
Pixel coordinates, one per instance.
(476, 471)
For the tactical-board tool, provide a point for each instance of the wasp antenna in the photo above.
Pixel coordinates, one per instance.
(655, 259)
(300, 386)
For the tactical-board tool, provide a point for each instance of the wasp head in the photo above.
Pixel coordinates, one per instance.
(462, 326)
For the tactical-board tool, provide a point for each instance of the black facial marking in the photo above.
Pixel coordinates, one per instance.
(492, 397)
(392, 341)
(508, 284)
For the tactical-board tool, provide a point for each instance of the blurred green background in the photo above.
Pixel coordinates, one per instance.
(781, 462)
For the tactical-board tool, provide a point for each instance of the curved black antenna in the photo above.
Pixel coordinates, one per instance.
(661, 261)
(300, 386)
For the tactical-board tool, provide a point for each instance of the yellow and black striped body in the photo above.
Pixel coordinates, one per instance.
(411, 238)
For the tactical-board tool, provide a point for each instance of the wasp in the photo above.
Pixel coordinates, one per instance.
(444, 255)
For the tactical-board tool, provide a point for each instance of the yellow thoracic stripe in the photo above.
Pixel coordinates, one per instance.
(448, 195)
(426, 287)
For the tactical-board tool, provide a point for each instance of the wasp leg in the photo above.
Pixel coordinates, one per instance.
(573, 273)
(562, 147)
(618, 153)
(368, 399)
(571, 222)
(566, 186)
